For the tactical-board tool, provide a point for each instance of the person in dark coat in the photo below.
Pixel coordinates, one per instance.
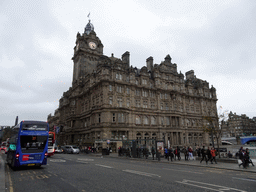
(153, 152)
(170, 154)
(178, 153)
(185, 151)
(203, 152)
(208, 153)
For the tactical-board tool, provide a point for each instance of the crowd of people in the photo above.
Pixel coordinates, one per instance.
(244, 156)
(172, 154)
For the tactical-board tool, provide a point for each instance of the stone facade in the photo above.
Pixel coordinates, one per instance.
(239, 125)
(112, 101)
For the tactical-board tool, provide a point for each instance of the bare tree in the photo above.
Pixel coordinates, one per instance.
(214, 125)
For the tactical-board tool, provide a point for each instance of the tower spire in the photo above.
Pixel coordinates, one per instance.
(89, 27)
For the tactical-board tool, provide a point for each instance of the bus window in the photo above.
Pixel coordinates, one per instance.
(34, 126)
(32, 144)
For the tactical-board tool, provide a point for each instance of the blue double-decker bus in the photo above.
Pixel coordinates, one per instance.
(29, 144)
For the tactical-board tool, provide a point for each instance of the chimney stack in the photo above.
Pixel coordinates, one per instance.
(126, 58)
(150, 63)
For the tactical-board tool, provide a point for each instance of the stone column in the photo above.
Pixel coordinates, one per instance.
(172, 143)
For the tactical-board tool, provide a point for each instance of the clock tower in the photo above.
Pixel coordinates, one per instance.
(87, 51)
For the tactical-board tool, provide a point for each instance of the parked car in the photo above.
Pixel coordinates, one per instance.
(58, 150)
(71, 149)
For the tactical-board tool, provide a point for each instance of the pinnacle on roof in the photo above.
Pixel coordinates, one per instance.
(88, 28)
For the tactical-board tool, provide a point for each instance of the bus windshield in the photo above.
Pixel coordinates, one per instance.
(32, 144)
(34, 126)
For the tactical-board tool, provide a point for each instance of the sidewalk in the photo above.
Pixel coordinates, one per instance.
(2, 174)
(220, 165)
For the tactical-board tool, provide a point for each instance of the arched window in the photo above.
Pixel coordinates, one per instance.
(138, 119)
(145, 120)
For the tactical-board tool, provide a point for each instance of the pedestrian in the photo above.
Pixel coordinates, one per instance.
(230, 155)
(190, 152)
(199, 151)
(213, 154)
(170, 153)
(247, 158)
(178, 153)
(185, 151)
(208, 153)
(175, 154)
(165, 152)
(203, 152)
(242, 157)
(153, 152)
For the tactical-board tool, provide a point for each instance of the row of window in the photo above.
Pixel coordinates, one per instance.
(123, 117)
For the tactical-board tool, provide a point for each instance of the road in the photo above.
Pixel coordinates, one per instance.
(85, 173)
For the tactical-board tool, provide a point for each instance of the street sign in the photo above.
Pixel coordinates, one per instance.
(223, 150)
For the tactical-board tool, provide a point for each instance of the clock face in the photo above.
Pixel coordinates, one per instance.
(92, 45)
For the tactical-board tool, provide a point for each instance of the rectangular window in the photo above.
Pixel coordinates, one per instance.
(153, 120)
(162, 120)
(110, 87)
(144, 81)
(152, 105)
(119, 89)
(144, 93)
(136, 82)
(114, 117)
(162, 106)
(128, 90)
(110, 100)
(165, 96)
(137, 92)
(166, 106)
(119, 102)
(167, 120)
(145, 104)
(118, 76)
(128, 102)
(120, 118)
(99, 118)
(137, 103)
(138, 120)
(145, 120)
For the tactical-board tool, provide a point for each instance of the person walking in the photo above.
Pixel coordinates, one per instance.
(242, 157)
(170, 153)
(208, 153)
(213, 155)
(203, 152)
(178, 153)
(153, 152)
(190, 152)
(185, 151)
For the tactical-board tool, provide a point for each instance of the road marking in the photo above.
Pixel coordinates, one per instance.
(141, 173)
(57, 160)
(10, 180)
(208, 186)
(85, 159)
(182, 170)
(82, 162)
(244, 179)
(103, 166)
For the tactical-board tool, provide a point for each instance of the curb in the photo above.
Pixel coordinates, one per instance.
(155, 161)
(2, 174)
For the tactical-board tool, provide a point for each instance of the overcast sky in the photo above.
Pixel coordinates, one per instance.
(217, 39)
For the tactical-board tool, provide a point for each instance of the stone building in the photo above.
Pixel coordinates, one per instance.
(238, 125)
(111, 101)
